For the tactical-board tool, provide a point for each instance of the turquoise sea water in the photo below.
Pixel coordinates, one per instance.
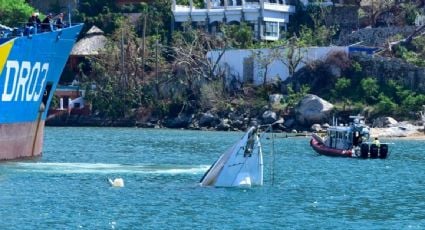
(67, 188)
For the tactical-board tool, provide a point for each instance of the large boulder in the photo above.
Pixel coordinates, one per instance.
(238, 124)
(208, 120)
(384, 122)
(225, 125)
(316, 128)
(181, 121)
(269, 117)
(313, 109)
(289, 123)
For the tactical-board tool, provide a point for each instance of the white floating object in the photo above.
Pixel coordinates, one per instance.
(117, 182)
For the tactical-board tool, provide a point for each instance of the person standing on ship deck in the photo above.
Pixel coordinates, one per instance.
(33, 23)
(59, 21)
(47, 23)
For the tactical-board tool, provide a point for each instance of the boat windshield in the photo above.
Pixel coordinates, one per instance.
(339, 139)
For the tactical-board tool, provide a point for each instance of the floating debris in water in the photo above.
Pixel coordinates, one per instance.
(117, 182)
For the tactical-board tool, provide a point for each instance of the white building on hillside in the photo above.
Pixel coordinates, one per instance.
(246, 66)
(267, 17)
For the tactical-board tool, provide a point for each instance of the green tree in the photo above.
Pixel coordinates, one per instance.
(392, 89)
(342, 91)
(92, 8)
(196, 3)
(320, 36)
(321, 31)
(386, 105)
(55, 7)
(412, 56)
(318, 11)
(370, 89)
(159, 19)
(103, 14)
(342, 87)
(240, 36)
(14, 12)
(294, 97)
(356, 67)
(413, 103)
(411, 11)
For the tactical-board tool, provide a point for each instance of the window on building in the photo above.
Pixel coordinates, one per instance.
(272, 29)
(232, 2)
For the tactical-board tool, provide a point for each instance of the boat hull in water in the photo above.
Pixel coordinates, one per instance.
(30, 68)
(322, 149)
(240, 165)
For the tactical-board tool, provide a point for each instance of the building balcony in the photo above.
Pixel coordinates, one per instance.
(247, 7)
(247, 12)
(267, 18)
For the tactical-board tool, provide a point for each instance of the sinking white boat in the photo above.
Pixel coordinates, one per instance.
(240, 165)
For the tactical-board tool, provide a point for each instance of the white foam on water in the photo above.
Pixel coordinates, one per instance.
(102, 168)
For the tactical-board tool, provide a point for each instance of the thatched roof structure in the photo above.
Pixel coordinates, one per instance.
(93, 41)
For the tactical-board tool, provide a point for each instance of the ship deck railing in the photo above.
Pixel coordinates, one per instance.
(25, 29)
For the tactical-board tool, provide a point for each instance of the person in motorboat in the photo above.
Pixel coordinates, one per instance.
(376, 142)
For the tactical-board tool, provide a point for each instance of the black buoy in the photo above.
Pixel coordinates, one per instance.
(374, 150)
(383, 151)
(364, 150)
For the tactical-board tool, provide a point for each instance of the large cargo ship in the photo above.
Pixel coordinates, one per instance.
(30, 68)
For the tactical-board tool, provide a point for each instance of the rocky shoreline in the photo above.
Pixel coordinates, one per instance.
(405, 129)
(312, 114)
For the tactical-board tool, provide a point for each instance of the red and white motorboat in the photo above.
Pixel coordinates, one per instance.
(348, 141)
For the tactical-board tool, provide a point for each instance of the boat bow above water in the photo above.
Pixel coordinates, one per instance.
(240, 165)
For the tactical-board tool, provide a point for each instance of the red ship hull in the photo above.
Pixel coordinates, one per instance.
(21, 140)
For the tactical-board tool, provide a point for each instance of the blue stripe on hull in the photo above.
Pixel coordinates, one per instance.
(32, 64)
